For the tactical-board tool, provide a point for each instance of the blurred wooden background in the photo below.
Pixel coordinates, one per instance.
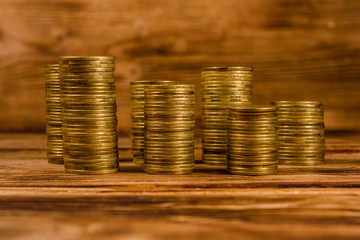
(305, 49)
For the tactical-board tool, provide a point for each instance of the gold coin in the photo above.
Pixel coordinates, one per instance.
(91, 172)
(86, 58)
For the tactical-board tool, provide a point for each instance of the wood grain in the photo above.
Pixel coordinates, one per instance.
(39, 201)
(300, 49)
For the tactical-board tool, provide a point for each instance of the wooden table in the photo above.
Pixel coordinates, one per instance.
(39, 201)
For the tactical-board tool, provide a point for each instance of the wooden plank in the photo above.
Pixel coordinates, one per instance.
(250, 213)
(29, 168)
(300, 50)
(39, 201)
(90, 224)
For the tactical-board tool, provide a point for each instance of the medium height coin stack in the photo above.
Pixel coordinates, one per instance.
(53, 114)
(89, 114)
(221, 88)
(169, 129)
(137, 95)
(252, 140)
(301, 132)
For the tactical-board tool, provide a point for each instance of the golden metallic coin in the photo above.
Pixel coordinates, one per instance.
(137, 90)
(253, 170)
(169, 123)
(222, 87)
(88, 112)
(86, 58)
(91, 172)
(252, 140)
(301, 132)
(227, 69)
(53, 114)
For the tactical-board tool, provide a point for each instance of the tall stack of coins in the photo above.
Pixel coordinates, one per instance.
(169, 129)
(89, 114)
(137, 95)
(301, 132)
(221, 88)
(53, 114)
(252, 140)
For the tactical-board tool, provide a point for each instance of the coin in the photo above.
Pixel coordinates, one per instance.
(91, 172)
(252, 151)
(253, 170)
(301, 132)
(53, 114)
(221, 88)
(137, 95)
(88, 112)
(169, 128)
(75, 59)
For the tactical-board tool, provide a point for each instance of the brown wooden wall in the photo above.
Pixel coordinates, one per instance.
(304, 49)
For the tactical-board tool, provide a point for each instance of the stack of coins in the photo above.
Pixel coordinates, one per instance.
(89, 114)
(252, 140)
(137, 95)
(221, 88)
(169, 129)
(53, 114)
(301, 132)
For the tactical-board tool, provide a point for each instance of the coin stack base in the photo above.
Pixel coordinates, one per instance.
(89, 115)
(169, 129)
(221, 88)
(53, 115)
(252, 140)
(301, 133)
(137, 93)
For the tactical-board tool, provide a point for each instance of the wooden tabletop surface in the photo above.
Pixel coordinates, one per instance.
(39, 201)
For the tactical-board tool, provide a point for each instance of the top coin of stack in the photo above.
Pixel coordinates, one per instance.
(53, 114)
(252, 140)
(89, 114)
(221, 88)
(169, 129)
(137, 95)
(301, 132)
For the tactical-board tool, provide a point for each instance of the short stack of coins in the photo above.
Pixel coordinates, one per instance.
(89, 114)
(137, 101)
(301, 132)
(252, 140)
(221, 88)
(53, 115)
(169, 129)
